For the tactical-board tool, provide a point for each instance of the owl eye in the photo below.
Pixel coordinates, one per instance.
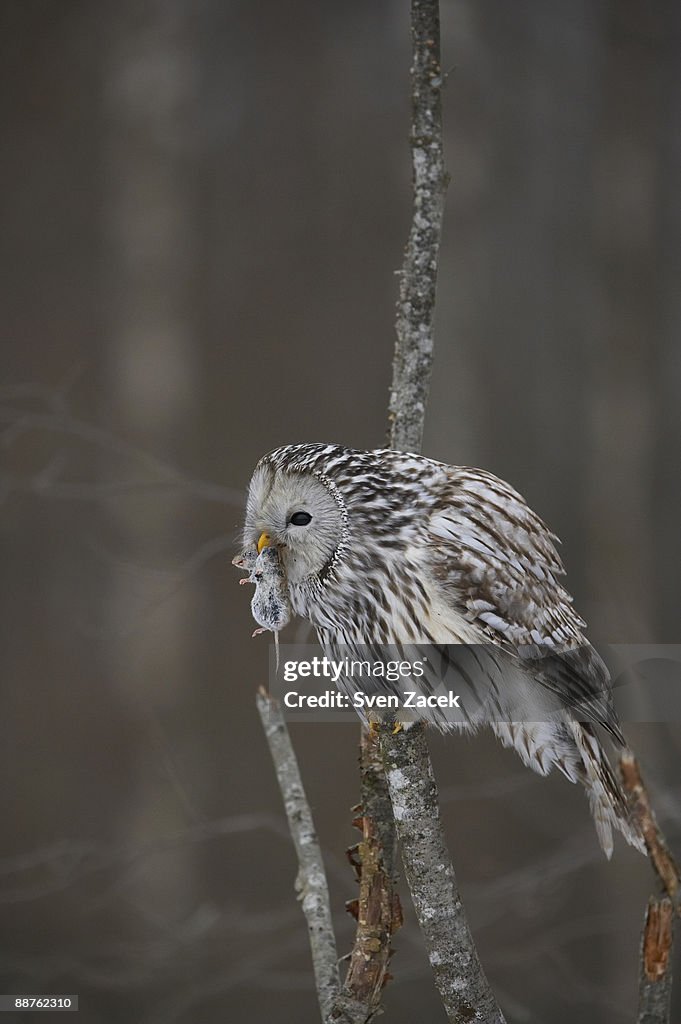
(300, 519)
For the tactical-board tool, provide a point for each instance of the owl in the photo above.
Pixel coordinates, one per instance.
(389, 551)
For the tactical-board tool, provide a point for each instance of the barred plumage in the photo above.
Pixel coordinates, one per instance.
(388, 548)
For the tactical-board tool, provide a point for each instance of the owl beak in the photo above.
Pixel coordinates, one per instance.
(264, 541)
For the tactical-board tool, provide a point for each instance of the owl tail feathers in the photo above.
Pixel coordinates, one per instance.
(608, 803)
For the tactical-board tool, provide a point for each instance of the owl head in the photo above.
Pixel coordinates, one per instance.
(294, 506)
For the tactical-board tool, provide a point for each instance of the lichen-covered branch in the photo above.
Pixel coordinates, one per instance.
(311, 884)
(416, 304)
(459, 974)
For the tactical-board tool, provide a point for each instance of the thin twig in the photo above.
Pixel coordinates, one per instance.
(657, 940)
(661, 859)
(311, 884)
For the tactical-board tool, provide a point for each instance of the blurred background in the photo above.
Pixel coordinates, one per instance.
(204, 204)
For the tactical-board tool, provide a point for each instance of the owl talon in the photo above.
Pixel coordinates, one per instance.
(397, 727)
(374, 728)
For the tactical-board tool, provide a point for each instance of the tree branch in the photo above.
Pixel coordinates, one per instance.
(459, 975)
(655, 979)
(311, 884)
(412, 362)
(655, 976)
(413, 357)
(661, 859)
(377, 909)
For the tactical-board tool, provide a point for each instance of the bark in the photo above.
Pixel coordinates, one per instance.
(661, 858)
(416, 304)
(311, 884)
(655, 975)
(459, 974)
(378, 913)
(655, 984)
(377, 908)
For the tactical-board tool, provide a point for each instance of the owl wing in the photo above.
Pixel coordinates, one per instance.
(496, 564)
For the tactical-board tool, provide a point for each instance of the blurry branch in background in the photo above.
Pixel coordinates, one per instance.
(655, 980)
(56, 421)
(33, 409)
(311, 884)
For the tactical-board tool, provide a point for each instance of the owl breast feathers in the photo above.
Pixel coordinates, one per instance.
(386, 550)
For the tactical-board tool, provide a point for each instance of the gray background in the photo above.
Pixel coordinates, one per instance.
(203, 207)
